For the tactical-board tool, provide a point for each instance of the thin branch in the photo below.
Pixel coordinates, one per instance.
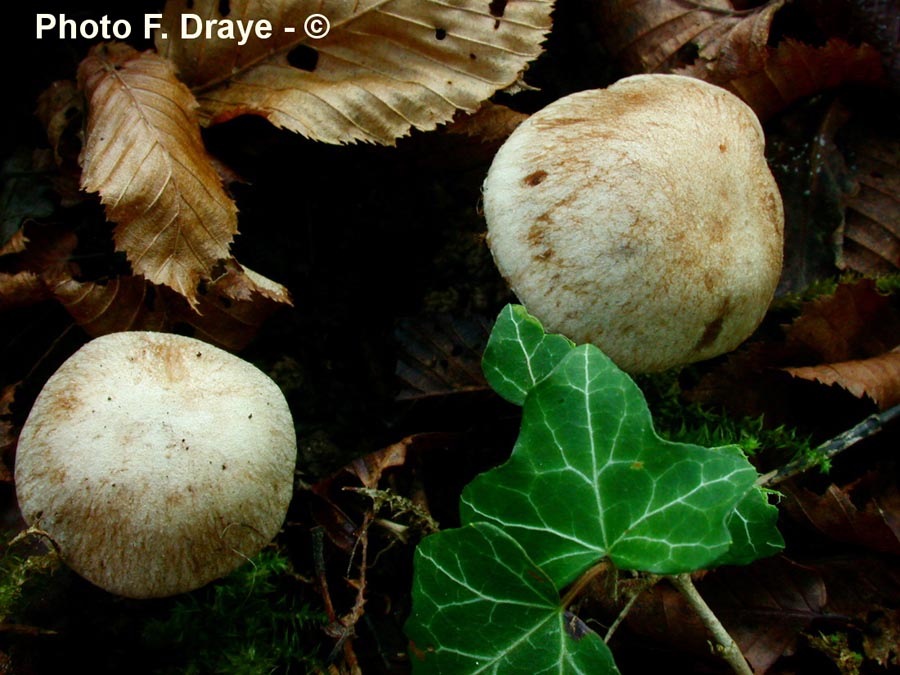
(868, 427)
(645, 584)
(727, 648)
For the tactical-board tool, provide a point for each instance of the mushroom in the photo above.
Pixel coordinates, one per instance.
(641, 218)
(156, 463)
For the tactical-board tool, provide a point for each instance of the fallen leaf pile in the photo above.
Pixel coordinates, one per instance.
(383, 69)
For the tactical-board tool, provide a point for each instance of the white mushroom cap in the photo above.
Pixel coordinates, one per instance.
(641, 218)
(156, 462)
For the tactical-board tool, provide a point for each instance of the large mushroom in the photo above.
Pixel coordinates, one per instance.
(156, 463)
(641, 218)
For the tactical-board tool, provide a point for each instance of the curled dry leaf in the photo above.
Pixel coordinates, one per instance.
(120, 304)
(385, 66)
(852, 336)
(240, 283)
(15, 244)
(855, 323)
(144, 155)
(663, 35)
(133, 303)
(864, 513)
(878, 377)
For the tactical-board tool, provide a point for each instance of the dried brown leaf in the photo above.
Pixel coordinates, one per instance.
(15, 244)
(368, 469)
(440, 355)
(794, 70)
(663, 35)
(874, 522)
(871, 241)
(386, 66)
(133, 303)
(21, 289)
(241, 283)
(120, 304)
(877, 377)
(855, 322)
(492, 122)
(144, 155)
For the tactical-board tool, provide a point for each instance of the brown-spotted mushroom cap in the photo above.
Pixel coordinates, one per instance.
(641, 218)
(156, 462)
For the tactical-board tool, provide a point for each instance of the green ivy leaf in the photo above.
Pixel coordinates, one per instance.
(590, 478)
(480, 605)
(519, 354)
(753, 530)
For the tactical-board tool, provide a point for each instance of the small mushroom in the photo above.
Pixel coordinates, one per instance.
(156, 463)
(641, 218)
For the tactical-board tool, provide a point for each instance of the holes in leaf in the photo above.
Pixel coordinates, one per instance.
(224, 7)
(190, 4)
(304, 58)
(440, 33)
(497, 7)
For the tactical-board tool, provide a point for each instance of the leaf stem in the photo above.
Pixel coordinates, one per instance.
(727, 647)
(582, 581)
(868, 427)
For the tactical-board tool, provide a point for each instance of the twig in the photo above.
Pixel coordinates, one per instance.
(645, 584)
(868, 427)
(726, 647)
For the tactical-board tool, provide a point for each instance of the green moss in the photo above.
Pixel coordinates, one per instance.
(836, 646)
(888, 285)
(23, 576)
(252, 623)
(684, 422)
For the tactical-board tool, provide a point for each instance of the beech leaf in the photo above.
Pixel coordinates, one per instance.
(383, 68)
(653, 35)
(133, 303)
(144, 155)
(871, 241)
(794, 70)
(440, 355)
(877, 378)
